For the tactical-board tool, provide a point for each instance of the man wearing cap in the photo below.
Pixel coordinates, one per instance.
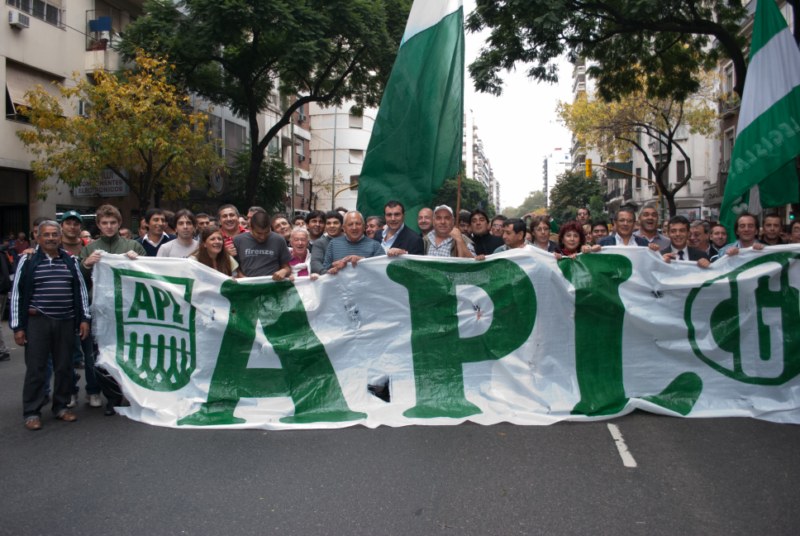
(72, 243)
(71, 222)
(446, 239)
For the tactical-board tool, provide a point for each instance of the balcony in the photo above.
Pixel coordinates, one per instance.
(729, 105)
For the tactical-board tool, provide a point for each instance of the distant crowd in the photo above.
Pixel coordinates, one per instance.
(49, 305)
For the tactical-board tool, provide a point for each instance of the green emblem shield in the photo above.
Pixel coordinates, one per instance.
(155, 329)
(762, 295)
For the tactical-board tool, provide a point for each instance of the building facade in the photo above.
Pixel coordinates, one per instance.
(338, 144)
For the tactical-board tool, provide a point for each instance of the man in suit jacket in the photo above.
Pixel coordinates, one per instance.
(623, 231)
(395, 238)
(678, 248)
(700, 238)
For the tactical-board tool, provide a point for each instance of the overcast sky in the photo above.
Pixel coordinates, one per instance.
(520, 127)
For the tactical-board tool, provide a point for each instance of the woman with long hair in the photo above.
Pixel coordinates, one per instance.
(211, 252)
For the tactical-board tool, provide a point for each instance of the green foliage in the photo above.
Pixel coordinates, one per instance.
(238, 52)
(635, 121)
(473, 195)
(597, 207)
(663, 44)
(273, 184)
(135, 126)
(535, 201)
(572, 191)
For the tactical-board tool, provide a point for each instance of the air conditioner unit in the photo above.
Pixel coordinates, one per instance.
(18, 20)
(300, 157)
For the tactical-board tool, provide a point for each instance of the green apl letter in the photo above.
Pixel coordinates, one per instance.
(438, 350)
(599, 314)
(307, 375)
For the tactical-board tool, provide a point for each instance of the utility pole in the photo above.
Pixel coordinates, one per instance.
(544, 170)
(333, 174)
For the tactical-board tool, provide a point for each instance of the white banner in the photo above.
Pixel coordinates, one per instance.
(520, 338)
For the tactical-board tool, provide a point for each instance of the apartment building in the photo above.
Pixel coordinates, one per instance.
(46, 41)
(476, 160)
(729, 114)
(42, 41)
(338, 144)
(634, 183)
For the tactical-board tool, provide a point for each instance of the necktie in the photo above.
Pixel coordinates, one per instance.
(680, 255)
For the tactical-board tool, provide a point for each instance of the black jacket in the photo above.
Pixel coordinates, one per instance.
(407, 240)
(22, 290)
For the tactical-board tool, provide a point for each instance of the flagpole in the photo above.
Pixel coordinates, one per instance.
(458, 198)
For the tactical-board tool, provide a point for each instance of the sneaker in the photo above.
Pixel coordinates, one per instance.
(94, 401)
(73, 401)
(5, 356)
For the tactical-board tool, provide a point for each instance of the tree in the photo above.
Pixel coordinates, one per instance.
(473, 195)
(237, 52)
(273, 186)
(535, 201)
(636, 121)
(572, 191)
(660, 45)
(135, 125)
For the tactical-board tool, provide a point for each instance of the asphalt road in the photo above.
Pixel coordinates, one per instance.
(108, 475)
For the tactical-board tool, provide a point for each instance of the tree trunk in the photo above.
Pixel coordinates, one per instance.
(669, 198)
(253, 173)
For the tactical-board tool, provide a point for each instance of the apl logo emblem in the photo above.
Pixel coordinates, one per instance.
(155, 329)
(746, 324)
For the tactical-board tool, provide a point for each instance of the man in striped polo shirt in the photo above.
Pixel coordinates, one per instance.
(352, 247)
(48, 302)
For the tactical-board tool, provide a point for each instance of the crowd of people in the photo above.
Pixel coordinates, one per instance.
(50, 312)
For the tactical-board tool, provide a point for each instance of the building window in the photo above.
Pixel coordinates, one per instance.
(354, 181)
(300, 148)
(356, 121)
(728, 79)
(681, 170)
(235, 141)
(356, 156)
(638, 178)
(729, 137)
(19, 80)
(215, 132)
(47, 10)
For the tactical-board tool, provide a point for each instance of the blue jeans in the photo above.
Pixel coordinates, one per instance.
(88, 348)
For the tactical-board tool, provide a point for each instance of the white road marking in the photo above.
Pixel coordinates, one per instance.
(624, 453)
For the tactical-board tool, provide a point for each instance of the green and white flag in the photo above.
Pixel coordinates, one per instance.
(768, 133)
(417, 139)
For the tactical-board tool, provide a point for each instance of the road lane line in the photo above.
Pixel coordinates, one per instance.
(624, 453)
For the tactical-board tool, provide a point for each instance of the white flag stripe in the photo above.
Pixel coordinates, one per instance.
(777, 62)
(427, 13)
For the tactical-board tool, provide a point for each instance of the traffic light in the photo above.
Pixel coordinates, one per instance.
(588, 167)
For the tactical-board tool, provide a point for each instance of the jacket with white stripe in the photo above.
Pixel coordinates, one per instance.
(22, 291)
